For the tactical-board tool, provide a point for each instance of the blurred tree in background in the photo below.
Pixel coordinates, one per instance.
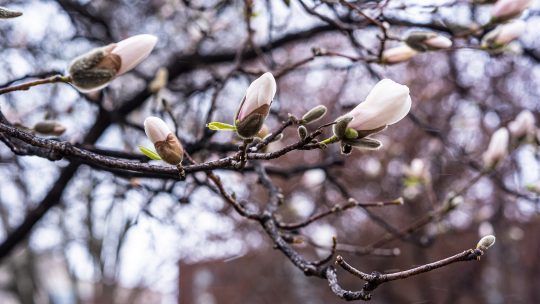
(87, 218)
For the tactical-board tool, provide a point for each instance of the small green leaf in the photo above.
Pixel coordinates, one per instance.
(151, 154)
(220, 126)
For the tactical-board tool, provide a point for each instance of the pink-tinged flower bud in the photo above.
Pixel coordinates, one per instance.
(439, 42)
(134, 50)
(255, 106)
(523, 125)
(94, 70)
(503, 34)
(49, 127)
(507, 9)
(427, 41)
(166, 143)
(398, 54)
(497, 149)
(387, 103)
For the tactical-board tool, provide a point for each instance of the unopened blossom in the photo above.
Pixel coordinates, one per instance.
(398, 54)
(486, 242)
(166, 143)
(497, 149)
(427, 41)
(314, 114)
(523, 125)
(95, 69)
(506, 9)
(255, 106)
(387, 103)
(49, 127)
(503, 34)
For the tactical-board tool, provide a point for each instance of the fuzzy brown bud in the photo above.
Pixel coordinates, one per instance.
(49, 127)
(485, 242)
(170, 150)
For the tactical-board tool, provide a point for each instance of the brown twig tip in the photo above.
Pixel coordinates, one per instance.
(28, 85)
(7, 13)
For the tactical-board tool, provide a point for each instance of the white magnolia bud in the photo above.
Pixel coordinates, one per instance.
(255, 105)
(134, 50)
(398, 54)
(426, 41)
(166, 143)
(486, 242)
(523, 125)
(503, 34)
(95, 69)
(387, 103)
(438, 42)
(497, 149)
(506, 9)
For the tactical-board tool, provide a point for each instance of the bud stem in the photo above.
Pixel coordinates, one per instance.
(27, 85)
(243, 153)
(330, 140)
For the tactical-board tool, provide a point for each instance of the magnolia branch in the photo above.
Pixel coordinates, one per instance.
(27, 85)
(57, 150)
(375, 279)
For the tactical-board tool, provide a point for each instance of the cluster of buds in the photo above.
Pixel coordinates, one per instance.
(523, 127)
(386, 104)
(96, 69)
(508, 30)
